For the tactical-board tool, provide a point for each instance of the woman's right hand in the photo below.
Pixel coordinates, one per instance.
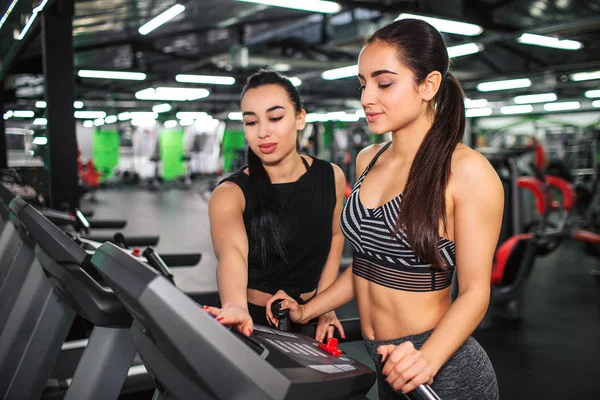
(296, 310)
(233, 316)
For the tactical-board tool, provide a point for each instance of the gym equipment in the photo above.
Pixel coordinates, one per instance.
(421, 392)
(60, 284)
(176, 338)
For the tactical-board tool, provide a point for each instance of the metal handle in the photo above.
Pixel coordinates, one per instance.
(422, 392)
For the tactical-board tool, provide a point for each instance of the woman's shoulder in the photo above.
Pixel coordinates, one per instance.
(470, 169)
(366, 155)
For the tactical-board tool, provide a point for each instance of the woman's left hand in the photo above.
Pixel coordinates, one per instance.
(404, 367)
(326, 327)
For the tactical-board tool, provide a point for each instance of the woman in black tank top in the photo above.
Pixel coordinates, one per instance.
(424, 206)
(275, 224)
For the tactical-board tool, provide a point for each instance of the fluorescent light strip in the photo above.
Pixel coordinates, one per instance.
(464, 49)
(191, 115)
(504, 85)
(161, 108)
(562, 106)
(40, 121)
(295, 81)
(132, 76)
(585, 76)
(23, 114)
(40, 140)
(469, 103)
(339, 73)
(41, 104)
(170, 124)
(478, 112)
(90, 114)
(592, 94)
(535, 98)
(446, 25)
(161, 19)
(318, 6)
(207, 79)
(522, 109)
(99, 122)
(88, 124)
(34, 14)
(78, 104)
(111, 119)
(171, 94)
(7, 13)
(596, 103)
(235, 116)
(548, 41)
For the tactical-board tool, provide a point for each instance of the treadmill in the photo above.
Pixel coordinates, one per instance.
(192, 356)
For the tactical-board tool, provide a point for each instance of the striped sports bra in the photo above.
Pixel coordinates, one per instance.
(384, 258)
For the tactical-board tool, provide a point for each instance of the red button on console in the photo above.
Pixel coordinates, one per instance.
(331, 347)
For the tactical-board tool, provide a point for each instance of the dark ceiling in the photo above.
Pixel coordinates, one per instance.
(210, 37)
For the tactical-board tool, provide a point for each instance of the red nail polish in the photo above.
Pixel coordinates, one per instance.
(205, 307)
(219, 318)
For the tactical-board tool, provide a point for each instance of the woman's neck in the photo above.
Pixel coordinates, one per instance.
(288, 169)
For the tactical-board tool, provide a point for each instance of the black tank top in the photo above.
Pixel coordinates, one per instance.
(307, 207)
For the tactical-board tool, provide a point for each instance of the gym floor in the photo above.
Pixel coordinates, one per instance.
(553, 353)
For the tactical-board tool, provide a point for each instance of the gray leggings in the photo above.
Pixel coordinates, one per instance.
(467, 375)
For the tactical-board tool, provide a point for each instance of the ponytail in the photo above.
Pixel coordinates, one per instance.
(424, 199)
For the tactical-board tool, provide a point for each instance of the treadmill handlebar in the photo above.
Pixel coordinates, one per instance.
(422, 392)
(158, 264)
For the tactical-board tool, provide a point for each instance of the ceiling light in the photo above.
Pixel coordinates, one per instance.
(23, 114)
(360, 113)
(548, 41)
(504, 85)
(596, 103)
(7, 13)
(40, 140)
(132, 76)
(41, 104)
(562, 106)
(464, 49)
(161, 108)
(318, 6)
(143, 123)
(170, 124)
(34, 14)
(592, 94)
(90, 114)
(161, 19)
(535, 98)
(339, 73)
(99, 122)
(522, 109)
(40, 121)
(8, 114)
(124, 116)
(478, 112)
(282, 67)
(78, 104)
(446, 25)
(111, 119)
(171, 94)
(235, 116)
(88, 124)
(295, 81)
(143, 115)
(191, 115)
(186, 122)
(585, 76)
(207, 79)
(469, 103)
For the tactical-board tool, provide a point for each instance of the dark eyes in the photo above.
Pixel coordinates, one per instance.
(251, 123)
(380, 86)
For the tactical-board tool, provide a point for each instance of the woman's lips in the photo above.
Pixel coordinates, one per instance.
(267, 148)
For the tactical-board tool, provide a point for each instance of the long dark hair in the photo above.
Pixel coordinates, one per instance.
(266, 239)
(421, 48)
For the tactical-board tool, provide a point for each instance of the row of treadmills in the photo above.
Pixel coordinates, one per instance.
(146, 332)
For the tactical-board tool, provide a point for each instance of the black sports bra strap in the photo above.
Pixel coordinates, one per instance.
(305, 163)
(384, 148)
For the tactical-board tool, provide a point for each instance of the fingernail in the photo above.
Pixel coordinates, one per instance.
(343, 336)
(219, 318)
(205, 307)
(380, 358)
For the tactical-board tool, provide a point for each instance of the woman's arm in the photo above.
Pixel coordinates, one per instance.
(478, 208)
(230, 243)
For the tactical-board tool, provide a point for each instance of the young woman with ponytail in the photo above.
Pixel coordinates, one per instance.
(424, 206)
(275, 223)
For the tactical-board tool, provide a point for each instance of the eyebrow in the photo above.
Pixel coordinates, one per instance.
(378, 72)
(268, 110)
